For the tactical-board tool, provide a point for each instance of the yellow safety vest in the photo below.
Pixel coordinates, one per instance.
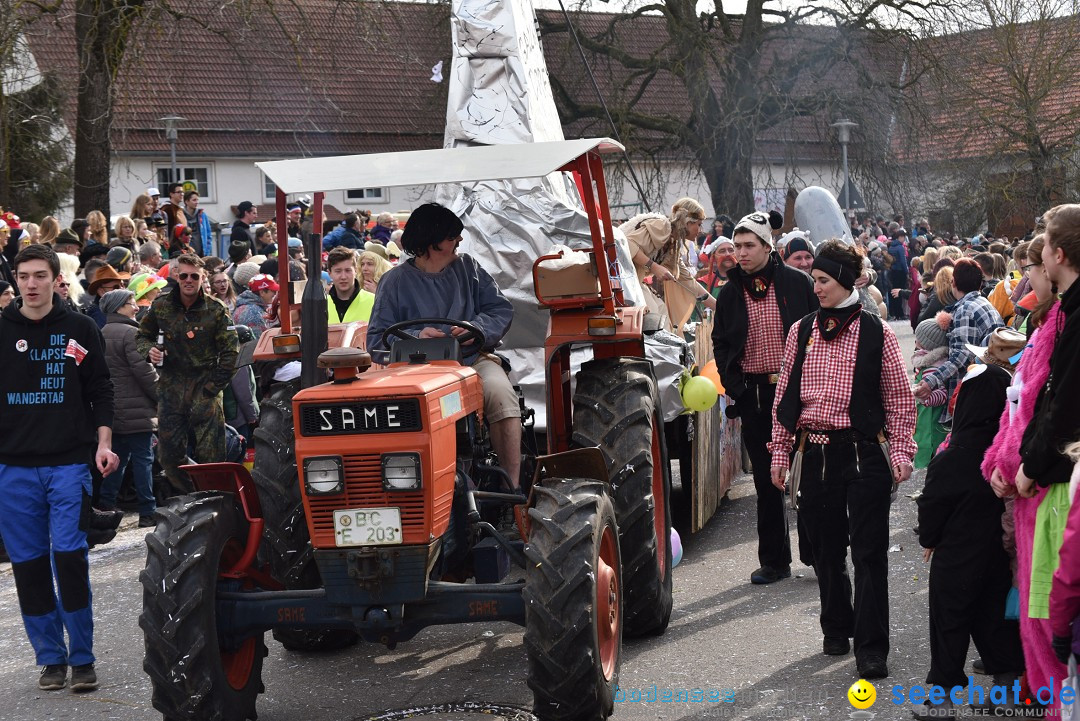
(359, 309)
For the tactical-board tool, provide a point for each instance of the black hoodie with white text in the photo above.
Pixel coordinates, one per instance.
(55, 387)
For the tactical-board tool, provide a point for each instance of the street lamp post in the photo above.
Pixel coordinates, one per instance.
(843, 131)
(171, 122)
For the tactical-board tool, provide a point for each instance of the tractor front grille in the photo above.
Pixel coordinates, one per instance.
(363, 489)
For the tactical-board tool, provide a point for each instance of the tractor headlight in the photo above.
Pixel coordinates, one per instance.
(401, 471)
(324, 475)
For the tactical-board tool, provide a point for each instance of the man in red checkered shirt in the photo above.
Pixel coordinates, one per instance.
(843, 391)
(761, 301)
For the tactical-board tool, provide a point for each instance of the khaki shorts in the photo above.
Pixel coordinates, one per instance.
(500, 399)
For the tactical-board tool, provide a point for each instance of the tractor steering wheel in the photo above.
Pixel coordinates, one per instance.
(397, 331)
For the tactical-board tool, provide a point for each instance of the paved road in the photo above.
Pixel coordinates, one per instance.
(758, 648)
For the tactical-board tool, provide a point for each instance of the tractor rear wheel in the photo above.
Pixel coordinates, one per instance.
(196, 675)
(573, 601)
(286, 542)
(616, 408)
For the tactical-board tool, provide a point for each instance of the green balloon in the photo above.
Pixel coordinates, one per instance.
(699, 394)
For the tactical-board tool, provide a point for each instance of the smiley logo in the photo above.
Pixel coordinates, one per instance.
(862, 694)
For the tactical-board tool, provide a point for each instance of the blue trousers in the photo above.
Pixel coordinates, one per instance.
(43, 519)
(138, 449)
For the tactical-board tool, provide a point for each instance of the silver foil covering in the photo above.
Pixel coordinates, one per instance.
(500, 94)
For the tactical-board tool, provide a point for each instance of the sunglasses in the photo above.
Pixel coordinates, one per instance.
(63, 285)
(187, 276)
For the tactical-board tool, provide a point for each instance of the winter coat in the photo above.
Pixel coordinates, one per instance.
(1004, 454)
(134, 378)
(242, 231)
(381, 234)
(899, 254)
(251, 311)
(343, 236)
(94, 311)
(1056, 422)
(794, 294)
(959, 515)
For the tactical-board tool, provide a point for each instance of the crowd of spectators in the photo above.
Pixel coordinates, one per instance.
(995, 442)
(113, 272)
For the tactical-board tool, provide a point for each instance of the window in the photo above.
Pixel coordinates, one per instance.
(194, 177)
(269, 189)
(376, 195)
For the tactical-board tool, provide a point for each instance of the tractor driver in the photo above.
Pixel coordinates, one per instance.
(437, 282)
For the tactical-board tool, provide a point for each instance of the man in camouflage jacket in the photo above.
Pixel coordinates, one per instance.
(196, 364)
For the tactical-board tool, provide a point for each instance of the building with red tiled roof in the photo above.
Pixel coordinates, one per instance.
(248, 95)
(365, 86)
(357, 78)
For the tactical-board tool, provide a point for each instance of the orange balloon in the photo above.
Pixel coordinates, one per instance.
(709, 371)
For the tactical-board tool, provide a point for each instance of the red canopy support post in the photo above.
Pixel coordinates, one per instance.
(285, 300)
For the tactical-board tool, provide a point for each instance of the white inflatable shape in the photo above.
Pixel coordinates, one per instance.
(818, 214)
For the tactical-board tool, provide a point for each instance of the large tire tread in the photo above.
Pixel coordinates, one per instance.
(615, 408)
(183, 656)
(565, 672)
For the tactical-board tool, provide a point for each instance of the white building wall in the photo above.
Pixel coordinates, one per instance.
(678, 180)
(232, 180)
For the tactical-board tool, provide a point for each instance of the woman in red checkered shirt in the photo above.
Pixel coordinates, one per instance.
(843, 391)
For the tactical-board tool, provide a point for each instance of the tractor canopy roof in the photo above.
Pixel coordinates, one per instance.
(426, 167)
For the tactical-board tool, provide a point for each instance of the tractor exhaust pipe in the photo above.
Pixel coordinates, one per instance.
(313, 316)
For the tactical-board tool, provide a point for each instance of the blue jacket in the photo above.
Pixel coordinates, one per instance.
(343, 236)
(381, 234)
(899, 254)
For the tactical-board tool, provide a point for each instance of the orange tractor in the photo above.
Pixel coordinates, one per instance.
(368, 514)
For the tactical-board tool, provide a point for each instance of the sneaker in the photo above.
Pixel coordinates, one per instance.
(928, 711)
(83, 678)
(977, 666)
(147, 522)
(768, 574)
(872, 667)
(835, 646)
(53, 677)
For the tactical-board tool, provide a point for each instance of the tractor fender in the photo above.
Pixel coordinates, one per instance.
(576, 463)
(233, 478)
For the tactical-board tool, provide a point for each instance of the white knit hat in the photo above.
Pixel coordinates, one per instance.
(761, 224)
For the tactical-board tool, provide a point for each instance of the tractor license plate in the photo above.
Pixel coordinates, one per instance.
(367, 527)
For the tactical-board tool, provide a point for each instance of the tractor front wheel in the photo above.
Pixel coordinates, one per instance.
(573, 601)
(616, 408)
(195, 673)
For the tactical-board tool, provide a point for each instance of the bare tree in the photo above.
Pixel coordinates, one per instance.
(35, 170)
(738, 78)
(1003, 85)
